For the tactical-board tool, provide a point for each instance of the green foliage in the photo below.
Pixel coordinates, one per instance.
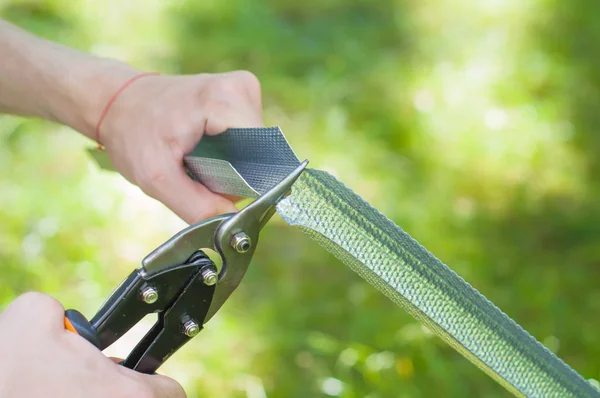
(470, 124)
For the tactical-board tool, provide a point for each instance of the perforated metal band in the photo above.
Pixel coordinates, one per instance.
(248, 162)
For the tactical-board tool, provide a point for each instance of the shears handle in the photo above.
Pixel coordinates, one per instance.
(77, 323)
(182, 300)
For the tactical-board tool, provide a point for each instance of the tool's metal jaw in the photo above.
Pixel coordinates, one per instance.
(233, 236)
(237, 238)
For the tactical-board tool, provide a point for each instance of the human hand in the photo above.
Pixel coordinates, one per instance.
(152, 124)
(159, 119)
(41, 359)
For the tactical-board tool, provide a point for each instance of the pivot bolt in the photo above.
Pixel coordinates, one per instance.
(191, 328)
(241, 242)
(210, 276)
(149, 295)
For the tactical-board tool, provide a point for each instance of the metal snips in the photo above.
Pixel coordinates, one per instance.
(180, 283)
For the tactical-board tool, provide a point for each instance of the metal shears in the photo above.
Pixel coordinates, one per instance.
(180, 283)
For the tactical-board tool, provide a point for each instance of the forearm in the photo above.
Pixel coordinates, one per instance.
(44, 79)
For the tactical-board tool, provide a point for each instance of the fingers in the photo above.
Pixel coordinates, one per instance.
(187, 198)
(155, 386)
(165, 387)
(159, 386)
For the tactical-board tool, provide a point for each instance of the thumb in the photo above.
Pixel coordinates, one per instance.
(163, 386)
(160, 386)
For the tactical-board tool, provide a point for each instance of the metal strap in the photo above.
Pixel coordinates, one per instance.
(248, 162)
(388, 258)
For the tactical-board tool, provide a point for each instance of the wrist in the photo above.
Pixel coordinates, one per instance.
(88, 89)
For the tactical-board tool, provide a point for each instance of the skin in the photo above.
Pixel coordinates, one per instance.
(150, 126)
(146, 133)
(42, 359)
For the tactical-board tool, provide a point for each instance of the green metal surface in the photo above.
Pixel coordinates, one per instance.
(389, 259)
(397, 265)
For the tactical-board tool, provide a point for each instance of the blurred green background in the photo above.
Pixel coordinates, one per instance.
(473, 125)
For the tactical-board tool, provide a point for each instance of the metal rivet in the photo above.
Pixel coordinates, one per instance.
(210, 276)
(149, 295)
(241, 242)
(191, 328)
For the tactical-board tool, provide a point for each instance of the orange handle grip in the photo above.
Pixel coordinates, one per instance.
(76, 323)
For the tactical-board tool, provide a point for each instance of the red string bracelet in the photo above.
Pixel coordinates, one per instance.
(113, 99)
